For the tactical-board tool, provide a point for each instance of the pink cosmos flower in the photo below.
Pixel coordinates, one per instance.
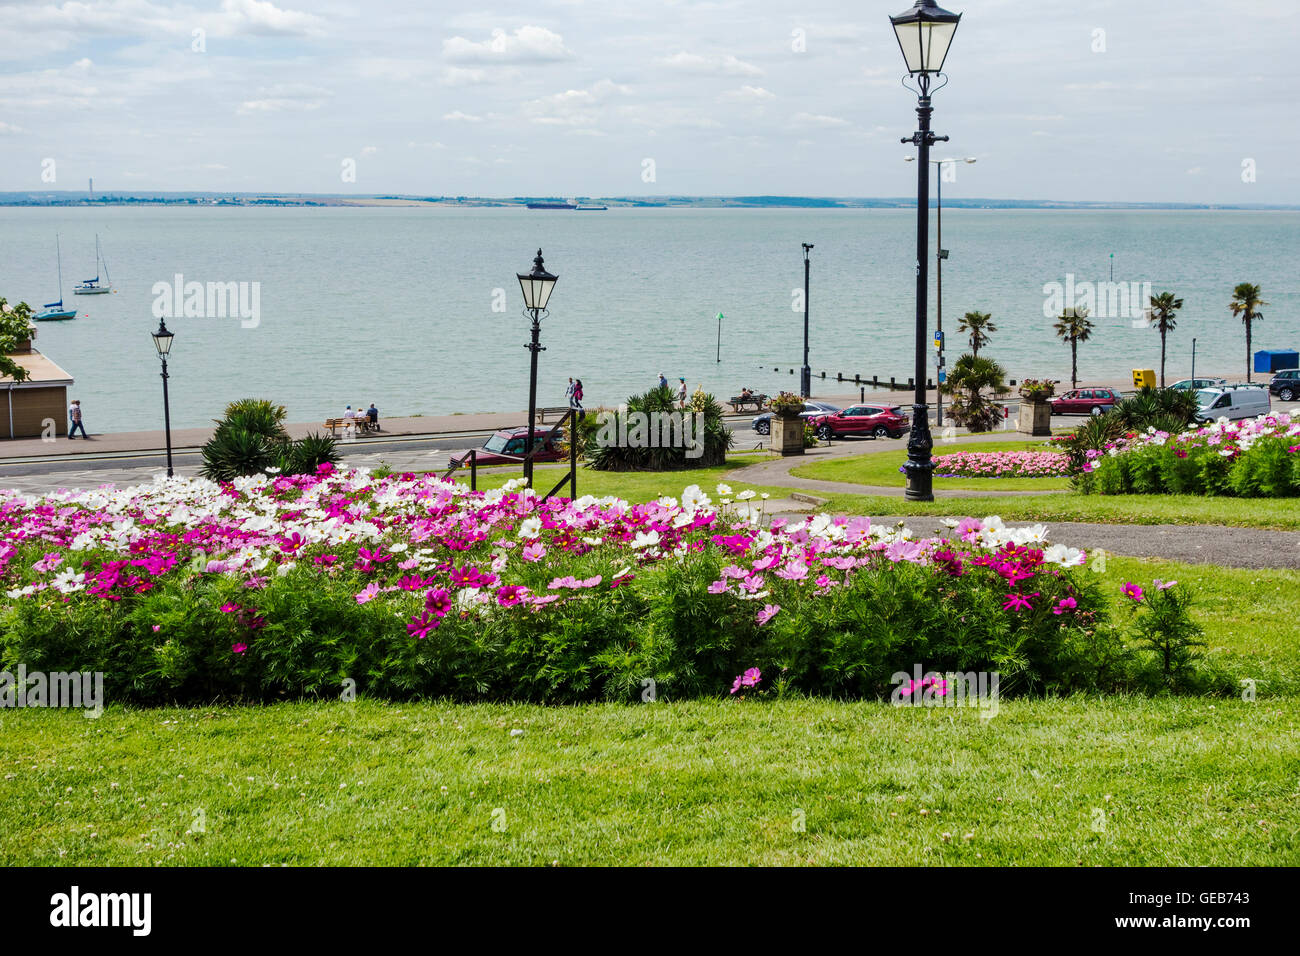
(1066, 604)
(1163, 585)
(157, 628)
(511, 594)
(1017, 602)
(229, 608)
(368, 593)
(1131, 590)
(718, 587)
(768, 612)
(439, 602)
(238, 648)
(734, 571)
(533, 552)
(795, 570)
(750, 678)
(422, 624)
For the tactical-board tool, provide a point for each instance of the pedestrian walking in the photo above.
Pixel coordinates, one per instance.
(568, 393)
(681, 392)
(74, 420)
(663, 380)
(575, 399)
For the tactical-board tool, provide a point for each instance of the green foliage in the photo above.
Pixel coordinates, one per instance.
(1163, 627)
(1164, 409)
(251, 439)
(979, 325)
(1246, 303)
(1072, 327)
(305, 634)
(613, 444)
(16, 326)
(786, 402)
(973, 383)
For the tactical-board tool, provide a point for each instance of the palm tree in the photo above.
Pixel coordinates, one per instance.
(1245, 303)
(970, 377)
(1163, 307)
(1073, 326)
(979, 325)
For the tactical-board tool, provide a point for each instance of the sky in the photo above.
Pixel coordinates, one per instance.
(1162, 101)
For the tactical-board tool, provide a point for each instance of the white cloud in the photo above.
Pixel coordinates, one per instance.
(8, 129)
(749, 94)
(819, 121)
(575, 107)
(286, 97)
(528, 44)
(725, 64)
(456, 116)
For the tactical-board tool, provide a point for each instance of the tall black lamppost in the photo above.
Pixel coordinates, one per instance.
(940, 254)
(805, 374)
(536, 286)
(924, 34)
(162, 340)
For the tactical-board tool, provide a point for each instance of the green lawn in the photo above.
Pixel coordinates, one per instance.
(633, 485)
(1281, 514)
(881, 468)
(1073, 782)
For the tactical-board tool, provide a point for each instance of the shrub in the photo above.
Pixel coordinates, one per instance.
(606, 452)
(251, 439)
(1037, 390)
(973, 383)
(262, 589)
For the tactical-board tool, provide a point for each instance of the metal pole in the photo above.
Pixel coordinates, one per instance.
(938, 265)
(1193, 359)
(919, 467)
(719, 338)
(534, 347)
(805, 377)
(576, 417)
(167, 418)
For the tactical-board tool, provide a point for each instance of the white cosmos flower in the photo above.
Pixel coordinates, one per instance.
(724, 489)
(694, 499)
(645, 539)
(745, 495)
(530, 528)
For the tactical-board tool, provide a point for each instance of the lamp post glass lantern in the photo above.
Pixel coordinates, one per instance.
(536, 287)
(162, 341)
(924, 34)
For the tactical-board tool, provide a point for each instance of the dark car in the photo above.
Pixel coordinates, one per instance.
(763, 423)
(1085, 401)
(878, 421)
(506, 447)
(1286, 384)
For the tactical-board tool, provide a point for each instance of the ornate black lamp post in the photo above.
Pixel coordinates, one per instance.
(805, 373)
(924, 34)
(162, 340)
(537, 286)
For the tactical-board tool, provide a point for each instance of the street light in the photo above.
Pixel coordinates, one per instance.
(162, 341)
(924, 34)
(805, 374)
(537, 287)
(939, 255)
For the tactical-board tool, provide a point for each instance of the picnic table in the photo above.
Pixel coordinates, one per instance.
(739, 403)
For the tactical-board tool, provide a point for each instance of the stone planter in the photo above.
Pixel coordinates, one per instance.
(787, 433)
(1035, 417)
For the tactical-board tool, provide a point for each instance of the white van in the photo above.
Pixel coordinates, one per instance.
(1232, 403)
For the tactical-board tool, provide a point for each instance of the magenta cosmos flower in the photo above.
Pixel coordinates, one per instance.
(1131, 590)
(1066, 604)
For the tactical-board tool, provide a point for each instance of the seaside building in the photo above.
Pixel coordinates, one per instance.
(30, 406)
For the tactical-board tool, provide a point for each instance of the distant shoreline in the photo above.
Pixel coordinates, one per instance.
(312, 200)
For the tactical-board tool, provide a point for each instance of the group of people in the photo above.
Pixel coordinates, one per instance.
(574, 392)
(370, 415)
(681, 388)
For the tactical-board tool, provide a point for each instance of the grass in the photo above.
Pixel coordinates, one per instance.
(633, 485)
(881, 469)
(1076, 781)
(1282, 514)
(1072, 782)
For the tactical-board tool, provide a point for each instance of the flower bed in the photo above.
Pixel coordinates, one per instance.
(1257, 457)
(275, 587)
(1001, 464)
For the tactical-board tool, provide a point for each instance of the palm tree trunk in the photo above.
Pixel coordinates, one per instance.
(1162, 358)
(1248, 350)
(1074, 362)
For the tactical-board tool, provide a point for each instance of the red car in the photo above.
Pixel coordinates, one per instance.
(506, 447)
(1085, 401)
(879, 421)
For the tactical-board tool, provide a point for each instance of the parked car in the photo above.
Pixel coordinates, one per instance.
(878, 421)
(1196, 384)
(1232, 403)
(506, 447)
(1286, 384)
(1085, 401)
(763, 423)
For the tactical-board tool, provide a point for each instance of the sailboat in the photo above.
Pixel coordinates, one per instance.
(54, 311)
(92, 286)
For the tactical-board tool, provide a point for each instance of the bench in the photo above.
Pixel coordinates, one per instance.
(739, 403)
(360, 425)
(556, 410)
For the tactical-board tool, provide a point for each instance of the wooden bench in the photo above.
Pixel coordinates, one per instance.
(557, 411)
(360, 425)
(739, 403)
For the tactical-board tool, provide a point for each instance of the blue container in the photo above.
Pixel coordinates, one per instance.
(1274, 360)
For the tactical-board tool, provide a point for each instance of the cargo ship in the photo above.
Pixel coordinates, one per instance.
(567, 204)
